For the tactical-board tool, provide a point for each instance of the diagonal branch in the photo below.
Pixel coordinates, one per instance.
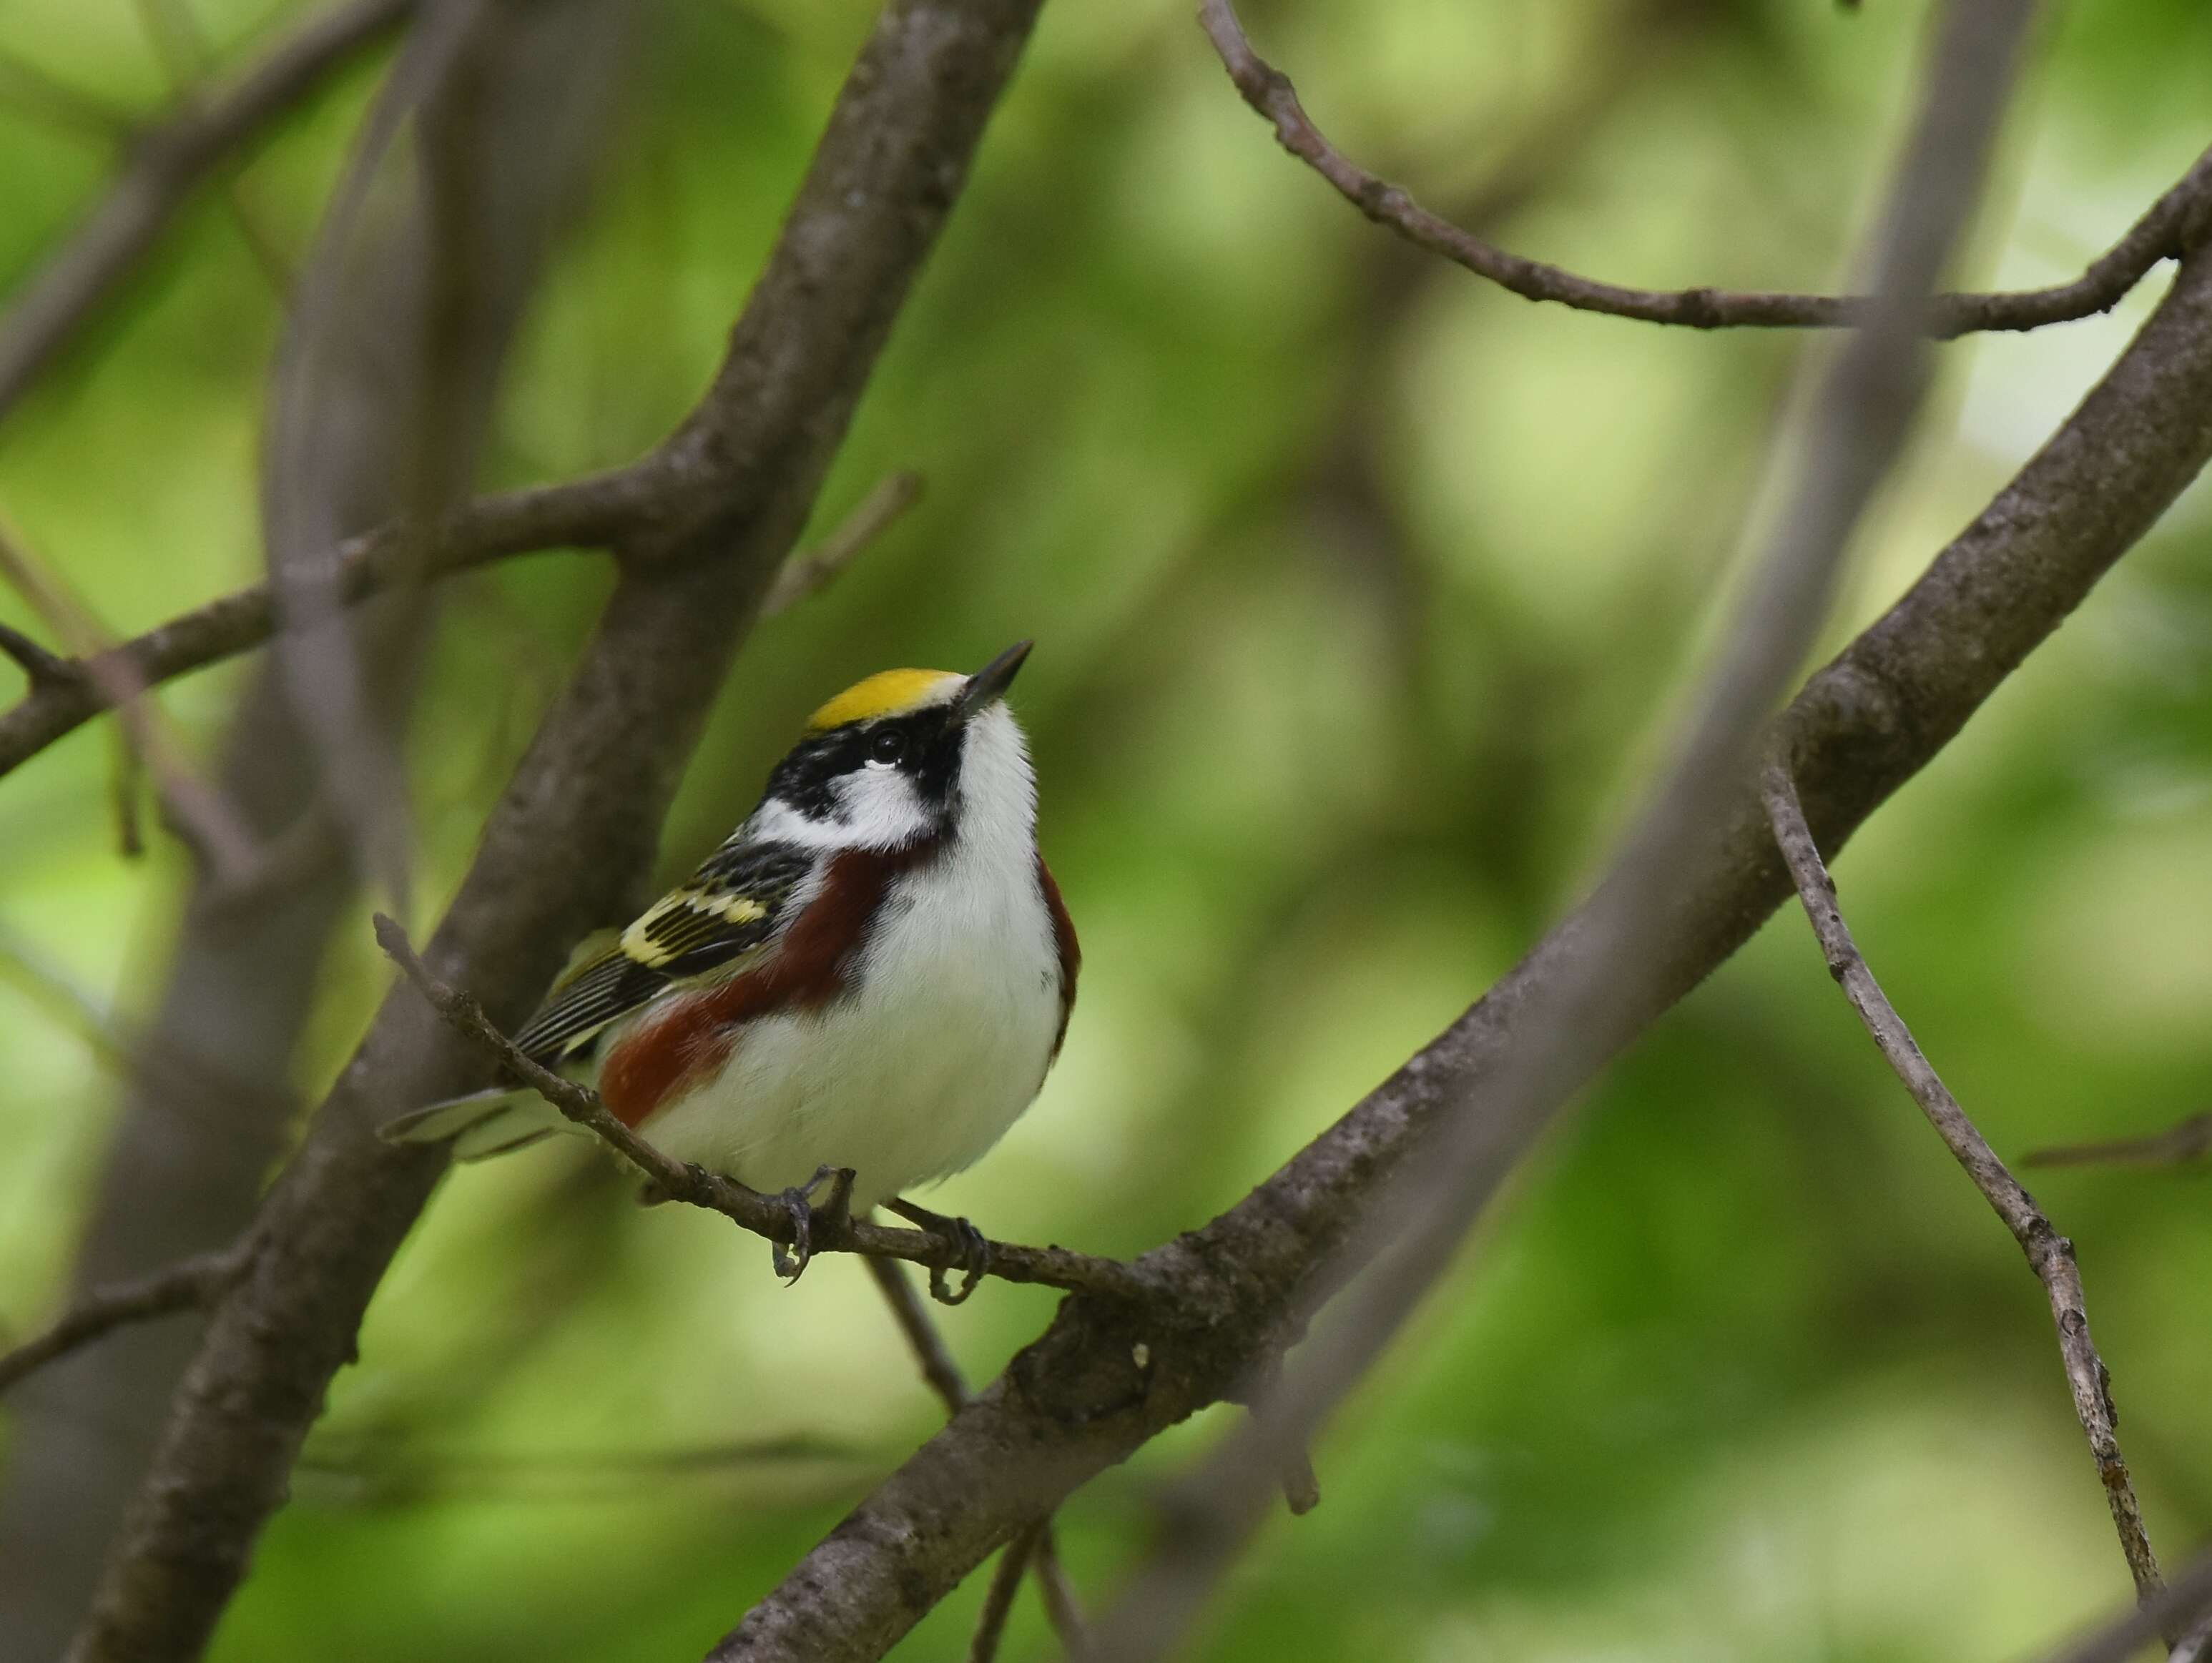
(679, 1181)
(1862, 404)
(573, 834)
(626, 506)
(2185, 1601)
(999, 1598)
(168, 163)
(193, 1285)
(2187, 1140)
(814, 569)
(1042, 1553)
(2050, 1255)
(1078, 1399)
(2164, 232)
(208, 820)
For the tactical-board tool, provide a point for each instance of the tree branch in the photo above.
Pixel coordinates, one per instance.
(170, 163)
(814, 569)
(632, 504)
(2185, 1601)
(40, 668)
(2050, 1255)
(2164, 232)
(1863, 400)
(190, 1285)
(999, 1598)
(596, 512)
(1061, 1607)
(704, 533)
(1079, 1400)
(194, 805)
(2187, 1140)
(679, 1181)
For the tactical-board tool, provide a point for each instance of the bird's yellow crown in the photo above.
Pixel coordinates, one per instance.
(886, 693)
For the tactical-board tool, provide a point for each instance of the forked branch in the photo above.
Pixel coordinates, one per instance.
(2050, 1255)
(1038, 1549)
(2167, 230)
(167, 164)
(191, 1285)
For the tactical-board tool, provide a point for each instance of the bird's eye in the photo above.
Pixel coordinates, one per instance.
(887, 747)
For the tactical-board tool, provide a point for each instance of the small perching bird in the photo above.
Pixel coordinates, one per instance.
(872, 975)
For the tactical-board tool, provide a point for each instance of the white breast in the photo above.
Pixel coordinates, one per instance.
(945, 1034)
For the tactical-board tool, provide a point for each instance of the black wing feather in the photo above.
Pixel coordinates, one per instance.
(738, 900)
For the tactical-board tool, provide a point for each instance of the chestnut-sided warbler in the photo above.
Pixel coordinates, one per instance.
(874, 973)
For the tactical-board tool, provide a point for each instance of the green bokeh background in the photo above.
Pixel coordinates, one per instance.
(1364, 592)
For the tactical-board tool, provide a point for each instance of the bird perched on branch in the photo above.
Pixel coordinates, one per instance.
(865, 985)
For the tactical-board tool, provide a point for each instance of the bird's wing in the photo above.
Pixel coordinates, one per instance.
(724, 915)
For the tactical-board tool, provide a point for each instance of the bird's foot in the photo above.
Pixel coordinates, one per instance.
(831, 1216)
(970, 1243)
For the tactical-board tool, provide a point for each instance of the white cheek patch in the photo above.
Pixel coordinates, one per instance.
(881, 807)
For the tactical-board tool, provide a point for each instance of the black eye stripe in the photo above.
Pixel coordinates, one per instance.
(927, 751)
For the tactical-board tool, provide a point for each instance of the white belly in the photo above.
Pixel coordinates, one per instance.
(940, 1043)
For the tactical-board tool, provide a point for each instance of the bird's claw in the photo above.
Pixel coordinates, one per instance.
(973, 1246)
(975, 1263)
(799, 1203)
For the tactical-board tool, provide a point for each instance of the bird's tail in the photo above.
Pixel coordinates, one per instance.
(483, 1125)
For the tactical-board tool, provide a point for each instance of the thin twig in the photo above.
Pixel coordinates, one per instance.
(2050, 1255)
(51, 986)
(998, 1599)
(2163, 232)
(813, 569)
(1858, 731)
(318, 650)
(1864, 397)
(1061, 1607)
(2187, 1600)
(40, 667)
(199, 811)
(590, 512)
(188, 61)
(936, 1362)
(167, 164)
(679, 1181)
(191, 1285)
(27, 87)
(2185, 1141)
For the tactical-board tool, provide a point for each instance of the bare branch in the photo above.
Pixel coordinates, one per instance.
(191, 1285)
(39, 667)
(2050, 1255)
(555, 859)
(2185, 1606)
(1061, 1607)
(679, 1181)
(937, 1365)
(598, 512)
(592, 512)
(2186, 1141)
(30, 89)
(1098, 1384)
(195, 807)
(2166, 230)
(169, 163)
(999, 1598)
(1861, 407)
(813, 569)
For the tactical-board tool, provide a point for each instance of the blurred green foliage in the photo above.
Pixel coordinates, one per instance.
(1362, 592)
